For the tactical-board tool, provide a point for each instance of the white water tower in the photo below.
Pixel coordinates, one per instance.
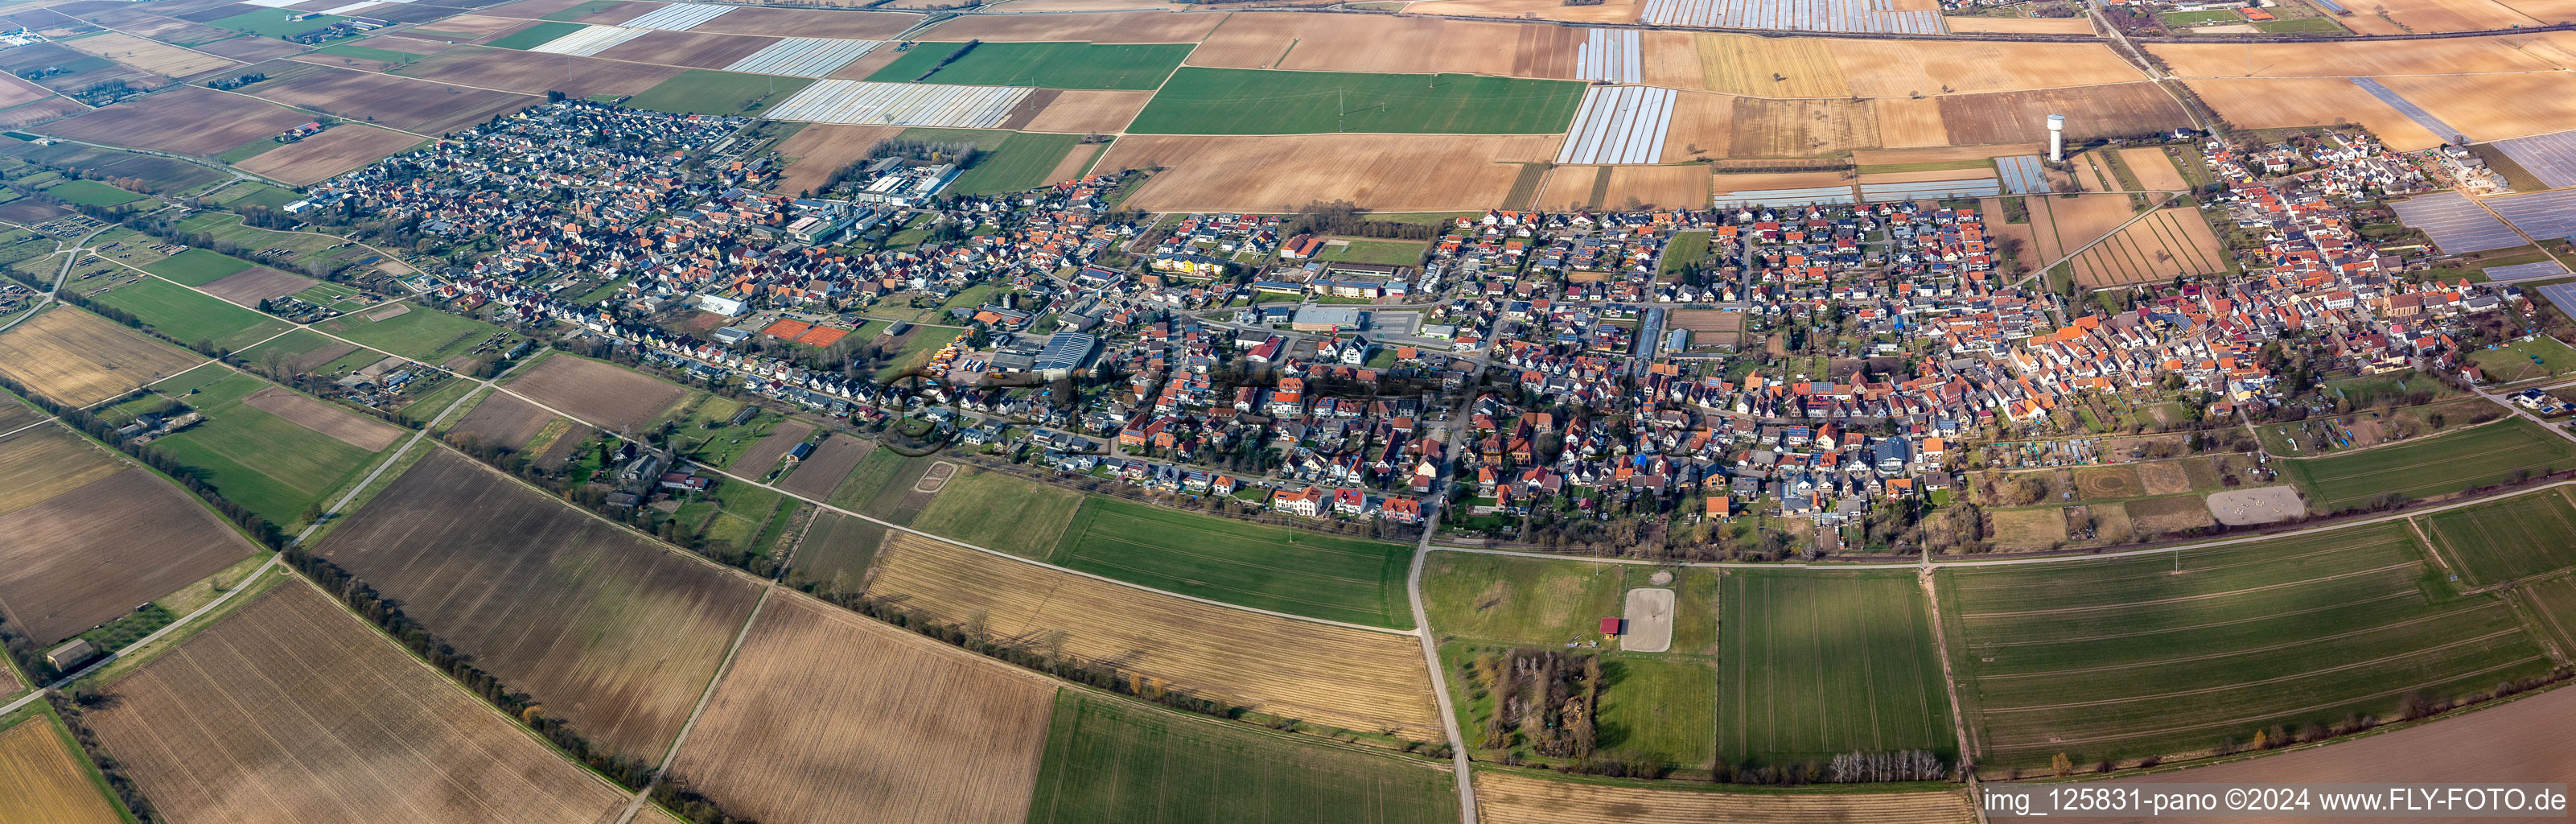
(2056, 138)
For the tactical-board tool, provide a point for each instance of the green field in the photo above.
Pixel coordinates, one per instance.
(1010, 161)
(2421, 467)
(1382, 252)
(1659, 707)
(422, 334)
(2518, 537)
(273, 466)
(91, 193)
(534, 36)
(707, 91)
(2175, 653)
(2538, 357)
(999, 511)
(1275, 568)
(197, 267)
(1685, 248)
(1247, 101)
(192, 316)
(1817, 663)
(918, 348)
(880, 486)
(1044, 65)
(1114, 760)
(274, 23)
(246, 151)
(836, 552)
(2553, 606)
(1515, 600)
(246, 194)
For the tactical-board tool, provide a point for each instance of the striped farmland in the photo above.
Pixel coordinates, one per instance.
(2413, 112)
(1788, 197)
(678, 16)
(1610, 56)
(863, 103)
(803, 56)
(1619, 124)
(2023, 175)
(1867, 16)
(589, 41)
(2455, 223)
(2550, 157)
(2541, 215)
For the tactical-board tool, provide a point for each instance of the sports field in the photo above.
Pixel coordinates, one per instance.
(197, 267)
(2517, 537)
(1009, 161)
(2176, 653)
(1817, 663)
(998, 511)
(1044, 65)
(1110, 759)
(2429, 466)
(1249, 101)
(707, 91)
(1275, 568)
(260, 460)
(185, 315)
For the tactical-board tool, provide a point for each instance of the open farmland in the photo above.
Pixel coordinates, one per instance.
(1509, 797)
(2173, 241)
(46, 461)
(1283, 173)
(184, 314)
(2461, 55)
(1743, 64)
(2449, 462)
(825, 715)
(501, 419)
(2176, 653)
(47, 783)
(2494, 106)
(836, 553)
(1352, 43)
(14, 91)
(274, 456)
(2269, 103)
(2519, 537)
(888, 486)
(1236, 101)
(189, 121)
(828, 466)
(2119, 110)
(80, 359)
(2411, 16)
(998, 510)
(418, 106)
(1086, 111)
(149, 55)
(611, 632)
(820, 150)
(1816, 663)
(536, 74)
(2552, 602)
(2060, 225)
(250, 286)
(597, 393)
(326, 155)
(763, 454)
(1110, 759)
(292, 711)
(90, 554)
(425, 335)
(1105, 27)
(1046, 65)
(1347, 678)
(1275, 568)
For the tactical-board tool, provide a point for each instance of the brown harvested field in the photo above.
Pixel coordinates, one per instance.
(2428, 16)
(1337, 676)
(1802, 128)
(2495, 106)
(1703, 127)
(80, 359)
(1900, 68)
(2020, 25)
(14, 91)
(477, 26)
(2155, 169)
(607, 15)
(1275, 173)
(2283, 103)
(1744, 64)
(2025, 529)
(250, 49)
(420, 106)
(1778, 180)
(1669, 187)
(818, 150)
(15, 415)
(855, 25)
(2551, 12)
(765, 452)
(1105, 27)
(2154, 516)
(1075, 161)
(2174, 241)
(125, 18)
(292, 711)
(407, 45)
(1614, 11)
(91, 554)
(1504, 797)
(819, 473)
(2127, 109)
(29, 114)
(2460, 55)
(501, 419)
(2060, 224)
(597, 393)
(364, 433)
(189, 121)
(534, 73)
(1910, 122)
(696, 50)
(46, 461)
(611, 632)
(326, 155)
(2518, 741)
(47, 784)
(1370, 43)
(250, 286)
(1088, 111)
(150, 55)
(827, 716)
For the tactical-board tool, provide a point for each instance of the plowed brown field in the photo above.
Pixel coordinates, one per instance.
(327, 155)
(1901, 68)
(1612, 11)
(697, 50)
(1368, 43)
(1744, 64)
(1703, 127)
(1513, 798)
(91, 554)
(1348, 678)
(819, 473)
(291, 711)
(597, 393)
(250, 286)
(2127, 109)
(80, 359)
(534, 73)
(1802, 128)
(2060, 225)
(1086, 111)
(2171, 242)
(149, 55)
(826, 716)
(189, 120)
(502, 420)
(413, 105)
(2494, 106)
(1275, 173)
(363, 433)
(818, 150)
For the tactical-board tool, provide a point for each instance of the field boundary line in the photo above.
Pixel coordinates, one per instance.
(723, 668)
(2249, 651)
(2186, 598)
(1960, 730)
(1462, 762)
(2060, 743)
(2256, 683)
(2194, 627)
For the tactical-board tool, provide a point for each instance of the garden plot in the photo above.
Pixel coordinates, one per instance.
(1619, 124)
(589, 41)
(803, 56)
(678, 16)
(865, 103)
(2455, 223)
(1610, 56)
